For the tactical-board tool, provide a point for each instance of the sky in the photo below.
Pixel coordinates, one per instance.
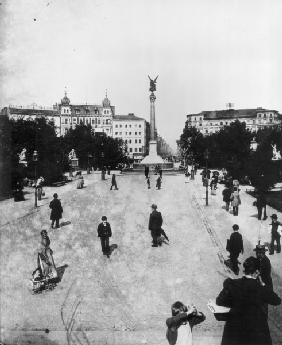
(206, 53)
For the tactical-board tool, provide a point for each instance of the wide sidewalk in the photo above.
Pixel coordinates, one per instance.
(251, 228)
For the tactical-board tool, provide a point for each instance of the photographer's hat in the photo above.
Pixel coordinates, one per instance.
(260, 248)
(274, 216)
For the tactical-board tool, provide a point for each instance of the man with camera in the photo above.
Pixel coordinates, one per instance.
(179, 326)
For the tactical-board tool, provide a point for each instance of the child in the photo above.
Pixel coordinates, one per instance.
(179, 331)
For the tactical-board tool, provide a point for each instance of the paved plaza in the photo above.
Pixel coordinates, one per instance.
(124, 299)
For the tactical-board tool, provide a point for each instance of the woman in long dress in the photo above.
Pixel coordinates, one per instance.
(45, 257)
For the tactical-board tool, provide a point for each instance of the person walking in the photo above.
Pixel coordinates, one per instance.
(114, 182)
(148, 182)
(235, 201)
(105, 232)
(275, 236)
(264, 265)
(226, 197)
(45, 260)
(246, 322)
(56, 211)
(235, 247)
(261, 205)
(180, 325)
(213, 185)
(39, 187)
(155, 224)
(160, 172)
(159, 182)
(80, 182)
(146, 171)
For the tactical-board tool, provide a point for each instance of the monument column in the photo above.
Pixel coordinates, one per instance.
(152, 116)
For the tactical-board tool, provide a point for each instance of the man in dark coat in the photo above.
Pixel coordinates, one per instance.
(114, 182)
(275, 235)
(146, 171)
(155, 224)
(261, 205)
(246, 323)
(235, 247)
(264, 265)
(57, 210)
(226, 197)
(105, 232)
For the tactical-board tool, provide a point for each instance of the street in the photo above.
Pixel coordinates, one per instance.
(124, 299)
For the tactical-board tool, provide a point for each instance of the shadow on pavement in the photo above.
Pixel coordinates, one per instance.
(30, 339)
(65, 223)
(61, 271)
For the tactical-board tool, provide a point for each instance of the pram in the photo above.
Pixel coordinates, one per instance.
(45, 276)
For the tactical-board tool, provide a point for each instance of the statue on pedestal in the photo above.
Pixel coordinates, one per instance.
(22, 157)
(276, 155)
(153, 84)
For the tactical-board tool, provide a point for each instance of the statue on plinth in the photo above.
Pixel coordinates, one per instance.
(22, 157)
(153, 84)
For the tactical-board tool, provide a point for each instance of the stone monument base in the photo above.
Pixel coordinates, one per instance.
(153, 159)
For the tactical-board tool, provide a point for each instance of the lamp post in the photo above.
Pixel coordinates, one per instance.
(35, 160)
(253, 145)
(206, 180)
(102, 162)
(89, 156)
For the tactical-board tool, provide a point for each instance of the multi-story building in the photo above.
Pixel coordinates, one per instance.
(66, 115)
(208, 122)
(132, 130)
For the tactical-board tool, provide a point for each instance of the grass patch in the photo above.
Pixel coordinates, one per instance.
(273, 198)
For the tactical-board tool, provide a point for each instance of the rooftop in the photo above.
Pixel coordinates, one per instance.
(129, 117)
(231, 113)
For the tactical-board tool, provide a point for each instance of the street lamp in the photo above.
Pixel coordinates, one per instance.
(102, 161)
(206, 180)
(35, 160)
(89, 156)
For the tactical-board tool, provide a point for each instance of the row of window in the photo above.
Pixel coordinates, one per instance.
(130, 141)
(264, 115)
(135, 149)
(128, 133)
(125, 126)
(94, 121)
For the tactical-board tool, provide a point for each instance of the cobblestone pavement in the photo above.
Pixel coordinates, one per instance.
(125, 299)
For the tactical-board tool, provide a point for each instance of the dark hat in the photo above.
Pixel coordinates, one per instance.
(235, 227)
(274, 216)
(260, 247)
(154, 206)
(43, 232)
(55, 195)
(104, 218)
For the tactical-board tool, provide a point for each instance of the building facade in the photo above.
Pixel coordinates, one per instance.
(66, 115)
(132, 130)
(208, 122)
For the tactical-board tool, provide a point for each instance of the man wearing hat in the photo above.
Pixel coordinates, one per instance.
(155, 224)
(275, 236)
(235, 247)
(264, 265)
(56, 211)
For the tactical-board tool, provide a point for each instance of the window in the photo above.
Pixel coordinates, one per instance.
(135, 141)
(210, 124)
(98, 121)
(270, 120)
(96, 111)
(221, 123)
(140, 149)
(120, 126)
(66, 121)
(116, 133)
(120, 133)
(139, 141)
(125, 126)
(74, 119)
(140, 126)
(135, 150)
(129, 141)
(77, 111)
(129, 133)
(125, 141)
(116, 126)
(135, 133)
(129, 126)
(264, 115)
(130, 150)
(140, 133)
(226, 123)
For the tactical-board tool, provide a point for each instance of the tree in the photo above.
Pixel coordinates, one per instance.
(192, 144)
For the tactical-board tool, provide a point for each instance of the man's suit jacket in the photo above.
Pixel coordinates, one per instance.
(155, 221)
(247, 320)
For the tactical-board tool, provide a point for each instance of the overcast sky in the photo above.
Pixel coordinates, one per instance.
(206, 53)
